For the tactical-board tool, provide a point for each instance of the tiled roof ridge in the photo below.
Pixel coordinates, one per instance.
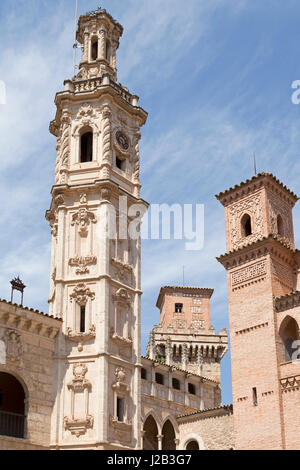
(29, 309)
(256, 177)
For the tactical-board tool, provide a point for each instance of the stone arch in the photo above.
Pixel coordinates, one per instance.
(13, 405)
(169, 434)
(150, 432)
(246, 225)
(288, 332)
(192, 438)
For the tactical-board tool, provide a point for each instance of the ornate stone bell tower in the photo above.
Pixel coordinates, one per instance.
(95, 266)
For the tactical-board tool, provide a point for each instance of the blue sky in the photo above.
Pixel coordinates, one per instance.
(215, 77)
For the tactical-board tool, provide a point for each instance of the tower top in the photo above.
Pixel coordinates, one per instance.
(256, 182)
(98, 33)
(183, 291)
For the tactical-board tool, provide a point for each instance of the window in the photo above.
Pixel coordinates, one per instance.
(86, 147)
(159, 378)
(144, 374)
(82, 319)
(246, 225)
(254, 394)
(288, 332)
(280, 229)
(192, 389)
(178, 308)
(176, 384)
(120, 409)
(120, 163)
(94, 49)
(12, 407)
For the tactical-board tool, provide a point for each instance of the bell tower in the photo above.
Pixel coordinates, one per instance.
(95, 282)
(261, 266)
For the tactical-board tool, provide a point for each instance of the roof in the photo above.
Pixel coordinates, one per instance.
(220, 409)
(181, 370)
(29, 309)
(184, 290)
(257, 178)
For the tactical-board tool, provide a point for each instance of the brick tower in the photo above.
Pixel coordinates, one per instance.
(261, 265)
(95, 271)
(185, 337)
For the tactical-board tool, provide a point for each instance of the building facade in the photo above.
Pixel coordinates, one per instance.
(75, 378)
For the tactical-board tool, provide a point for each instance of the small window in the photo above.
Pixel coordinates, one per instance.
(178, 308)
(254, 394)
(192, 389)
(159, 378)
(144, 374)
(82, 319)
(176, 384)
(120, 164)
(94, 49)
(120, 409)
(246, 225)
(280, 229)
(86, 147)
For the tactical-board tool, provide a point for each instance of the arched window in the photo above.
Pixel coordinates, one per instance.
(94, 49)
(168, 442)
(289, 332)
(150, 434)
(12, 407)
(192, 445)
(280, 229)
(246, 225)
(86, 147)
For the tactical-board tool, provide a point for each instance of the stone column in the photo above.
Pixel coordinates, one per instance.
(102, 44)
(160, 439)
(106, 133)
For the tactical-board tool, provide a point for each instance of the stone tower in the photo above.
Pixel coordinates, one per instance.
(261, 265)
(185, 337)
(95, 266)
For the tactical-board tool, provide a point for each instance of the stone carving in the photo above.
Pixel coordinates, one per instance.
(106, 131)
(14, 347)
(81, 338)
(249, 273)
(81, 293)
(83, 217)
(278, 207)
(63, 149)
(290, 383)
(122, 296)
(122, 269)
(79, 384)
(83, 262)
(253, 207)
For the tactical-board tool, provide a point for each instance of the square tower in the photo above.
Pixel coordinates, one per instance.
(185, 337)
(261, 265)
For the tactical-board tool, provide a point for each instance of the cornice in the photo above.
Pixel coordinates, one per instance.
(111, 89)
(266, 180)
(272, 244)
(287, 302)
